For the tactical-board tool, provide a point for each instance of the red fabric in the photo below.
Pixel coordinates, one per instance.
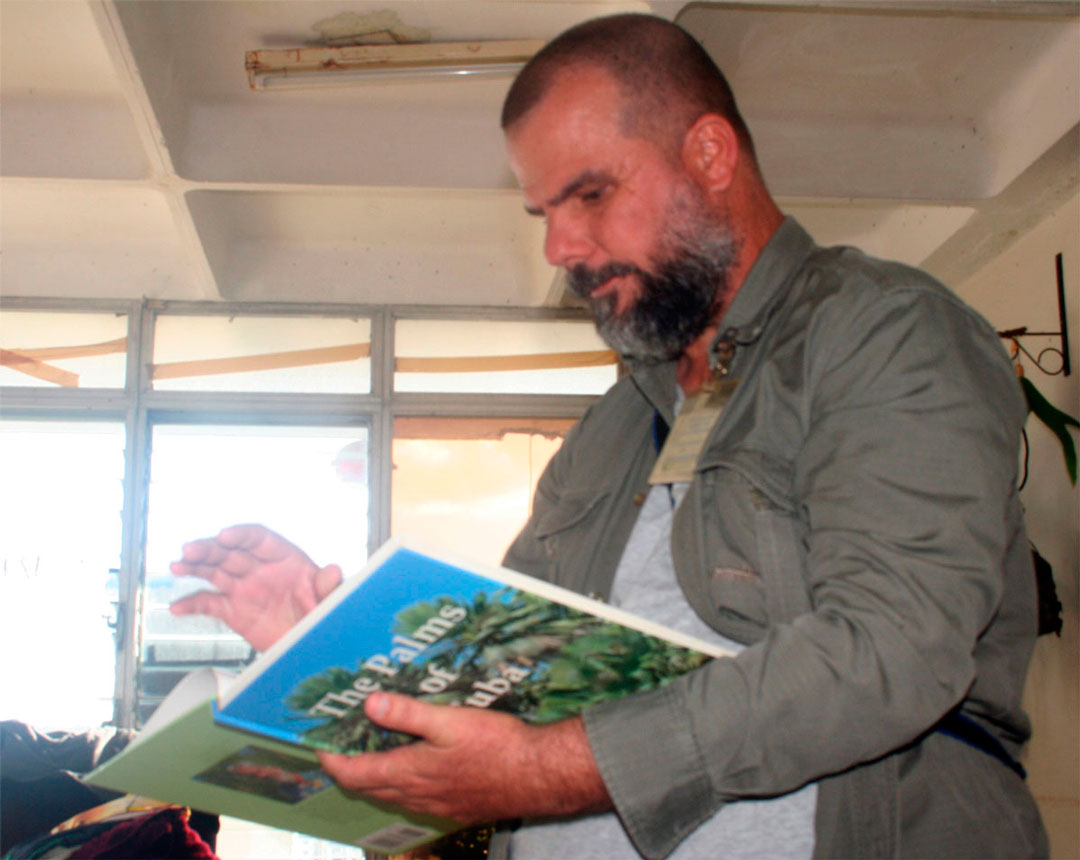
(162, 835)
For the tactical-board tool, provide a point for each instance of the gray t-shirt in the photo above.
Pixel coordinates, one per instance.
(778, 828)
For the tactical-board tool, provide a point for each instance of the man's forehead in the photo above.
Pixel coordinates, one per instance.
(578, 117)
(591, 86)
(578, 91)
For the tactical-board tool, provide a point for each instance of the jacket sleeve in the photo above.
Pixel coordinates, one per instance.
(902, 483)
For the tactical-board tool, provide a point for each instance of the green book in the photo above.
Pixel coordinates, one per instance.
(184, 756)
(413, 621)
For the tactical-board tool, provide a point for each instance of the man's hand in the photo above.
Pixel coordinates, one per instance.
(473, 765)
(264, 583)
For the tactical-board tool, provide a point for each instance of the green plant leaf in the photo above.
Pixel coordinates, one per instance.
(1058, 422)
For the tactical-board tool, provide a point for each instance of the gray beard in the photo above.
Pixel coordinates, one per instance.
(676, 304)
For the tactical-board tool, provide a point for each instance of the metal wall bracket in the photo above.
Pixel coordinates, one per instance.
(1014, 334)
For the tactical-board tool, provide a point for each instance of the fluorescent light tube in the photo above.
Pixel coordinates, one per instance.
(354, 64)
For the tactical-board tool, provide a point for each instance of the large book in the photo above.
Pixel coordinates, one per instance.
(413, 621)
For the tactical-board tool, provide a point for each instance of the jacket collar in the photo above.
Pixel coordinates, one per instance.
(768, 280)
(765, 285)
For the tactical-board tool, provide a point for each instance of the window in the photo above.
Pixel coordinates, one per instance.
(70, 350)
(128, 428)
(59, 559)
(309, 483)
(467, 483)
(501, 357)
(262, 353)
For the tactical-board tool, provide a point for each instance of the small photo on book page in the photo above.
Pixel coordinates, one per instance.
(269, 774)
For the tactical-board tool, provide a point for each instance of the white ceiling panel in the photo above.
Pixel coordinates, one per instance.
(907, 232)
(373, 246)
(87, 137)
(895, 103)
(91, 239)
(63, 111)
(342, 137)
(137, 161)
(53, 48)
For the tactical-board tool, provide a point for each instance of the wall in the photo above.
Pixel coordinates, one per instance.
(1019, 289)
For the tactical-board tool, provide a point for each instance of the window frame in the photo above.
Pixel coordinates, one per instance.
(140, 407)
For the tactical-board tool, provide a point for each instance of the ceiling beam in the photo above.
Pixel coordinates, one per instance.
(998, 223)
(153, 139)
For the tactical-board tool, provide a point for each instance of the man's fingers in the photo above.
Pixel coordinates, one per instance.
(247, 536)
(232, 542)
(355, 772)
(201, 603)
(405, 714)
(220, 574)
(200, 557)
(208, 556)
(391, 775)
(258, 542)
(240, 550)
(326, 580)
(201, 551)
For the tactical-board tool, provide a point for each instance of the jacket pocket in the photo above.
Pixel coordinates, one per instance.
(573, 508)
(720, 513)
(569, 533)
(750, 542)
(781, 548)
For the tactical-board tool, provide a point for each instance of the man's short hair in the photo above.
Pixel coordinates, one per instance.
(667, 79)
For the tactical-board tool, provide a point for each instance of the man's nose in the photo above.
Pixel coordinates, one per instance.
(568, 241)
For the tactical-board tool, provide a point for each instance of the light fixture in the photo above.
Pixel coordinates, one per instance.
(320, 67)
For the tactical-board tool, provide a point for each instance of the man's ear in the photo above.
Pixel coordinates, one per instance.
(711, 152)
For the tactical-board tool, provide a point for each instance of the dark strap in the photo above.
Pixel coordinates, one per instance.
(660, 430)
(965, 729)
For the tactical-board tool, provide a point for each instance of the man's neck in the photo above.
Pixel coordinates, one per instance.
(693, 370)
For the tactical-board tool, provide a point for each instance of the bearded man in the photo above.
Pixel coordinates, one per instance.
(848, 525)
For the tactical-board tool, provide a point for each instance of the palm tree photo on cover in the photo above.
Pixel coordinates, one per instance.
(515, 652)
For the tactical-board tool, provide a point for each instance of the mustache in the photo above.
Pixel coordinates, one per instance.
(582, 280)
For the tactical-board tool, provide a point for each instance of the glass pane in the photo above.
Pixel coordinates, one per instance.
(307, 483)
(60, 534)
(219, 353)
(71, 350)
(488, 356)
(466, 484)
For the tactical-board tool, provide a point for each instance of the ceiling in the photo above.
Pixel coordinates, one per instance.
(136, 161)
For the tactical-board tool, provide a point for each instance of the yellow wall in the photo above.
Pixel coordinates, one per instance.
(1019, 289)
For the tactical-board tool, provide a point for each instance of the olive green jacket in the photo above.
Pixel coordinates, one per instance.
(854, 519)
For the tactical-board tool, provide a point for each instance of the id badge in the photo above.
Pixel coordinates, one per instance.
(692, 425)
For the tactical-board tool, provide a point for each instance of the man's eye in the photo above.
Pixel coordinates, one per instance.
(592, 195)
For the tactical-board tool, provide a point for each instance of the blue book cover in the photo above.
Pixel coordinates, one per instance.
(452, 633)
